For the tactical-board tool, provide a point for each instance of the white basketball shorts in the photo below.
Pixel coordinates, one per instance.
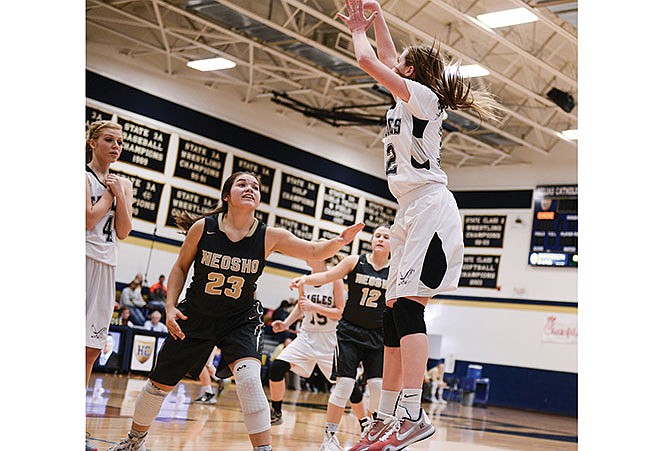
(426, 244)
(100, 294)
(309, 349)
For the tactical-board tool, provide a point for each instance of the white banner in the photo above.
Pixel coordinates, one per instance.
(144, 347)
(559, 331)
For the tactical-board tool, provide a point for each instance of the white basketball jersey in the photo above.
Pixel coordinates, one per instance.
(316, 322)
(412, 141)
(101, 239)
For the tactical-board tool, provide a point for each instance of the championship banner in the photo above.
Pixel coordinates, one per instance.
(182, 200)
(483, 230)
(265, 173)
(299, 229)
(479, 271)
(298, 194)
(339, 207)
(142, 358)
(200, 164)
(94, 114)
(143, 146)
(146, 196)
(377, 215)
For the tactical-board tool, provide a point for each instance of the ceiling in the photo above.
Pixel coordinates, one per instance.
(296, 54)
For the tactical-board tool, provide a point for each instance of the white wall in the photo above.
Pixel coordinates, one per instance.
(501, 336)
(476, 332)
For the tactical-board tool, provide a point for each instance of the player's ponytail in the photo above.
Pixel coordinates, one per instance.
(452, 89)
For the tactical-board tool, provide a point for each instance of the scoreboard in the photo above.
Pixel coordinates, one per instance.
(554, 236)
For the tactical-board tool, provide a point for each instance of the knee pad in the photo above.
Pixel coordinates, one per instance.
(375, 387)
(408, 317)
(341, 391)
(148, 404)
(391, 338)
(250, 393)
(356, 395)
(278, 370)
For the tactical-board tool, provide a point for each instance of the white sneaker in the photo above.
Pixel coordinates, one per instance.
(405, 432)
(206, 398)
(130, 443)
(330, 443)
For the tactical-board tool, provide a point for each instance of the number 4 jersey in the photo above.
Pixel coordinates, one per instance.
(101, 239)
(225, 272)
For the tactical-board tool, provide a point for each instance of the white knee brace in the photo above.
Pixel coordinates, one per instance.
(148, 404)
(252, 398)
(341, 392)
(375, 387)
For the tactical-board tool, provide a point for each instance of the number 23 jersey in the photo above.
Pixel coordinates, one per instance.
(313, 321)
(225, 272)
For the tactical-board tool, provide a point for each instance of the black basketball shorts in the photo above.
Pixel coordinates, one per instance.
(238, 336)
(357, 344)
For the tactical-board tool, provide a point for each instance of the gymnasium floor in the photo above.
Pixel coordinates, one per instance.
(182, 426)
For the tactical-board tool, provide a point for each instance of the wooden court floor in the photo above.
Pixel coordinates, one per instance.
(184, 426)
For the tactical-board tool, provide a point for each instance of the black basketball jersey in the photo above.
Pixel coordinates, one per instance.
(367, 295)
(225, 273)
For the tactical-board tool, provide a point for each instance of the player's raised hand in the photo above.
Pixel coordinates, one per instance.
(357, 20)
(350, 232)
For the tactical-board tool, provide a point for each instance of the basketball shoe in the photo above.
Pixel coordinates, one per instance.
(403, 433)
(373, 430)
(131, 443)
(206, 398)
(275, 417)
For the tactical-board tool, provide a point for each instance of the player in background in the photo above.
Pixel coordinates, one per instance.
(109, 201)
(426, 237)
(320, 308)
(359, 332)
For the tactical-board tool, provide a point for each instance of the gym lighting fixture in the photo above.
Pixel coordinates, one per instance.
(211, 64)
(507, 18)
(570, 134)
(473, 70)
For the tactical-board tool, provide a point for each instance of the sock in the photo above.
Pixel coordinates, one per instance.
(277, 406)
(331, 428)
(409, 404)
(387, 401)
(209, 389)
(362, 422)
(134, 433)
(263, 448)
